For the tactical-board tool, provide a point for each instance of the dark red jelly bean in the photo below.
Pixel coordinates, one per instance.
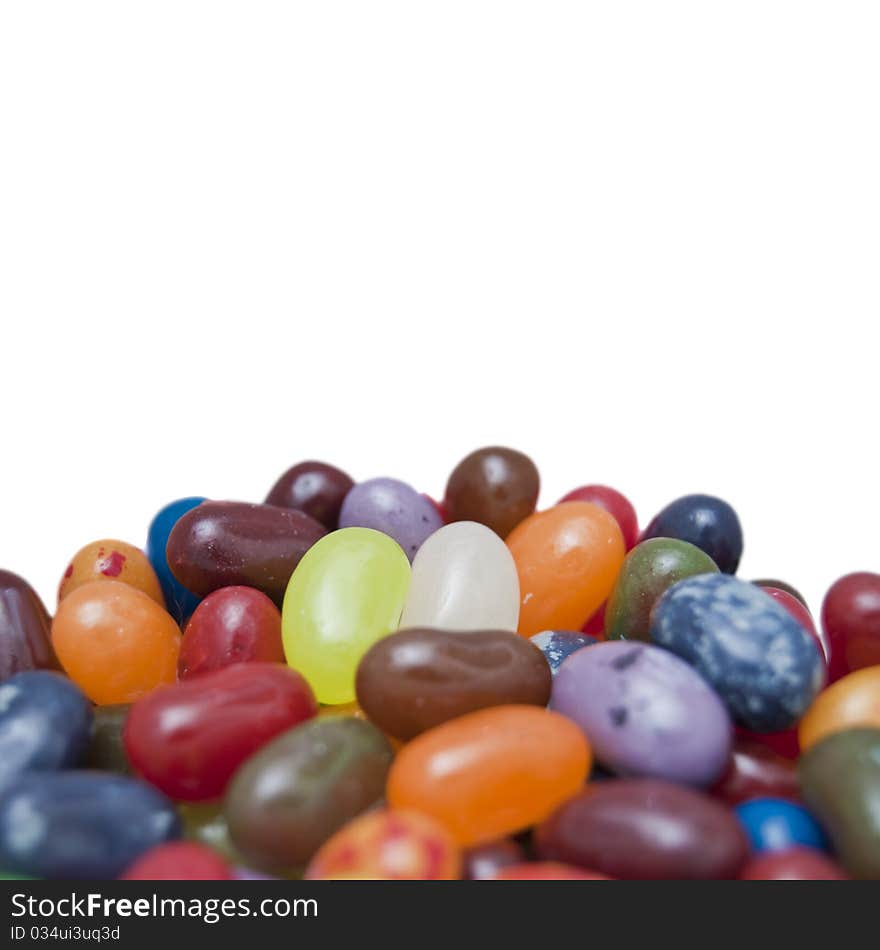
(189, 738)
(851, 620)
(756, 771)
(784, 743)
(794, 864)
(316, 488)
(25, 628)
(617, 505)
(232, 625)
(229, 543)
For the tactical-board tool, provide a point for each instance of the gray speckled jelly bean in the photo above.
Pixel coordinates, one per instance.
(756, 656)
(558, 645)
(394, 508)
(646, 712)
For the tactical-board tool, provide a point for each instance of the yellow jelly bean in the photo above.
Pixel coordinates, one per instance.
(347, 592)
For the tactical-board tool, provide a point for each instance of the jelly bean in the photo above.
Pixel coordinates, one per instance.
(106, 750)
(316, 488)
(80, 825)
(205, 823)
(648, 571)
(802, 615)
(416, 679)
(851, 621)
(179, 602)
(756, 656)
(247, 874)
(486, 860)
(708, 522)
(645, 712)
(25, 639)
(388, 846)
(463, 578)
(754, 771)
(615, 504)
(114, 642)
(395, 509)
(492, 772)
(45, 723)
(302, 787)
(111, 560)
(567, 559)
(232, 625)
(595, 626)
(774, 824)
(546, 871)
(793, 864)
(179, 861)
(558, 645)
(496, 486)
(781, 585)
(229, 544)
(645, 829)
(849, 703)
(784, 743)
(352, 710)
(188, 739)
(348, 591)
(840, 783)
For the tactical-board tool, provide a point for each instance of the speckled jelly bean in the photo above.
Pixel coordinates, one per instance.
(463, 578)
(80, 825)
(25, 628)
(849, 703)
(645, 712)
(851, 621)
(705, 521)
(775, 824)
(558, 645)
(414, 680)
(179, 601)
(615, 504)
(316, 488)
(757, 657)
(45, 723)
(111, 560)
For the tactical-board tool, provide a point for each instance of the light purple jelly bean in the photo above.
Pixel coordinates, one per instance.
(645, 712)
(394, 508)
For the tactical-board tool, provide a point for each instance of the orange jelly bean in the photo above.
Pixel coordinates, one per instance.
(567, 559)
(492, 772)
(852, 702)
(115, 642)
(388, 846)
(112, 561)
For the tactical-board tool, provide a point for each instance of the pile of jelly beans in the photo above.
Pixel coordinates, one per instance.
(352, 681)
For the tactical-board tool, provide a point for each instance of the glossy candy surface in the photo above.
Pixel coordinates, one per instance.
(230, 543)
(388, 845)
(492, 772)
(644, 829)
(232, 625)
(840, 783)
(394, 508)
(106, 751)
(347, 593)
(179, 861)
(179, 601)
(205, 823)
(851, 621)
(850, 702)
(416, 679)
(80, 825)
(756, 656)
(648, 571)
(645, 712)
(115, 561)
(114, 642)
(567, 559)
(755, 771)
(298, 790)
(45, 723)
(705, 521)
(25, 625)
(316, 488)
(483, 862)
(188, 739)
(495, 486)
(793, 864)
(463, 578)
(615, 504)
(803, 616)
(777, 584)
(558, 645)
(774, 824)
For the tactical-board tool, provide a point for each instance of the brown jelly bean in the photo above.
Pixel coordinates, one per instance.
(316, 488)
(25, 628)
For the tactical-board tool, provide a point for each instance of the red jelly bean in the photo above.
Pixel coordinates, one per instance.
(179, 861)
(595, 626)
(800, 613)
(795, 864)
(783, 743)
(615, 504)
(756, 771)
(232, 625)
(189, 738)
(851, 620)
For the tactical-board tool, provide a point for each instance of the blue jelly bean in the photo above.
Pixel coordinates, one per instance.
(180, 602)
(750, 649)
(558, 645)
(707, 522)
(45, 724)
(775, 824)
(80, 825)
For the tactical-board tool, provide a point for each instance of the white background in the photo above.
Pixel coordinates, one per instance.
(639, 241)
